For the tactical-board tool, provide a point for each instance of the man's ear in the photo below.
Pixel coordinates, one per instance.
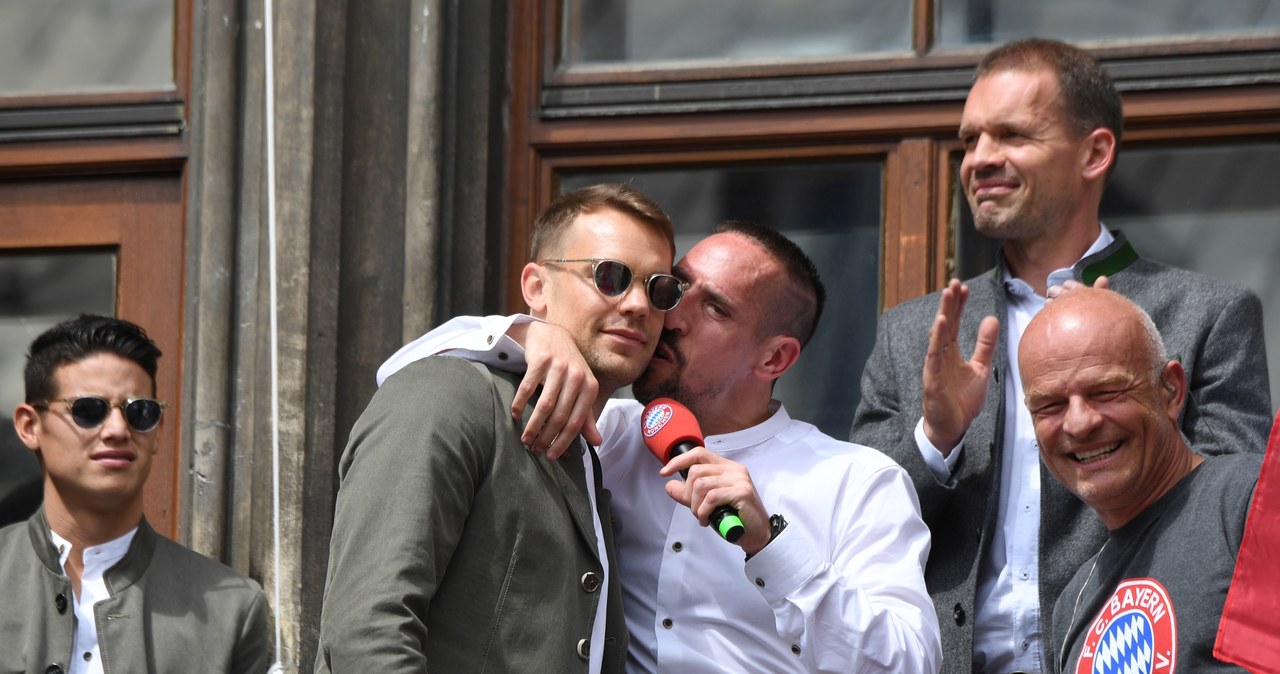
(533, 285)
(26, 422)
(1173, 381)
(1100, 153)
(782, 353)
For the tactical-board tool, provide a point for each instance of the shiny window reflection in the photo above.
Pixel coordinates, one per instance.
(968, 22)
(58, 46)
(650, 31)
(833, 211)
(37, 291)
(1213, 209)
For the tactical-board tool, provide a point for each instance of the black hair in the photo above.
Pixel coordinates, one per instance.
(791, 315)
(74, 340)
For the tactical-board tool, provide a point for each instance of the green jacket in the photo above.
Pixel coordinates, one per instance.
(454, 549)
(170, 610)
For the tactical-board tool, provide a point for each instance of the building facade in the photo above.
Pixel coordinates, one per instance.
(414, 140)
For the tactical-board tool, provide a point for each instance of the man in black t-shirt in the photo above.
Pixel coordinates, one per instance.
(1105, 400)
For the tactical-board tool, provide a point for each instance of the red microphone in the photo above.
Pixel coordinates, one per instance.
(670, 430)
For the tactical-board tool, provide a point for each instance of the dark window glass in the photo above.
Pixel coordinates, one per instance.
(968, 22)
(85, 45)
(655, 31)
(38, 290)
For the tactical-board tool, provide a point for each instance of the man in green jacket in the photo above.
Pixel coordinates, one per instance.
(454, 549)
(87, 585)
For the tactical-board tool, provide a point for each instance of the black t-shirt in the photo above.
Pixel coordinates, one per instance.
(1151, 599)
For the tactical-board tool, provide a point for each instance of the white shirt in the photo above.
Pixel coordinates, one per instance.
(841, 590)
(1007, 635)
(482, 339)
(85, 655)
(507, 355)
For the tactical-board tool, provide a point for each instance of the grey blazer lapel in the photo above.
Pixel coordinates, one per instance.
(570, 474)
(124, 637)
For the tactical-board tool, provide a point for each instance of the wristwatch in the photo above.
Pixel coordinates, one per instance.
(776, 524)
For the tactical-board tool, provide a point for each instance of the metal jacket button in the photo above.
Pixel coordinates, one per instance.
(590, 581)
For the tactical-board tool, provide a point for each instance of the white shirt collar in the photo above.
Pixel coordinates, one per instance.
(727, 443)
(100, 557)
(1057, 277)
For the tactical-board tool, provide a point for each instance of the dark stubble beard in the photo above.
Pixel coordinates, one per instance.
(647, 389)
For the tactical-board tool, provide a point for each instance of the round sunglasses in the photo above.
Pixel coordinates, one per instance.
(613, 278)
(89, 412)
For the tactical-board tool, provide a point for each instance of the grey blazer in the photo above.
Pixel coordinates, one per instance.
(1213, 327)
(171, 609)
(454, 549)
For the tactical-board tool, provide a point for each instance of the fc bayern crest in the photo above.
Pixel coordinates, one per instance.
(1136, 631)
(655, 418)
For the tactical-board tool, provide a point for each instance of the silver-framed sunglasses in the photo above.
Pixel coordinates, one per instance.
(612, 278)
(89, 412)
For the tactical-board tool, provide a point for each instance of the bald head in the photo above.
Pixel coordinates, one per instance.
(1098, 317)
(1105, 402)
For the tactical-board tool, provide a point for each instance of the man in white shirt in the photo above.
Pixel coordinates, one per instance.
(87, 585)
(834, 545)
(1041, 129)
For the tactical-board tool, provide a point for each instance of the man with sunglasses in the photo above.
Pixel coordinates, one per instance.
(85, 584)
(452, 545)
(834, 545)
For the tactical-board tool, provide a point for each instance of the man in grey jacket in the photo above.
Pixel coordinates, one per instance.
(86, 584)
(1041, 129)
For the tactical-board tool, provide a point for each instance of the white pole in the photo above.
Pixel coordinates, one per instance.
(269, 54)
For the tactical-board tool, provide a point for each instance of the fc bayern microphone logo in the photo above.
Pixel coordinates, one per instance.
(655, 418)
(1136, 631)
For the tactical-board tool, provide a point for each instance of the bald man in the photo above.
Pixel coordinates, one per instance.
(1104, 402)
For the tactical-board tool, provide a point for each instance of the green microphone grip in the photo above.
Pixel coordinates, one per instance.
(726, 522)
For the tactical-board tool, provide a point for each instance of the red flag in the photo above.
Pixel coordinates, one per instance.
(1249, 633)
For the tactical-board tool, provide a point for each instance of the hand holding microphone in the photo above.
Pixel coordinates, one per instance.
(670, 430)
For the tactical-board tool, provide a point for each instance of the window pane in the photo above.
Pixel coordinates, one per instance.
(967, 22)
(36, 292)
(649, 31)
(833, 211)
(1214, 209)
(78, 45)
